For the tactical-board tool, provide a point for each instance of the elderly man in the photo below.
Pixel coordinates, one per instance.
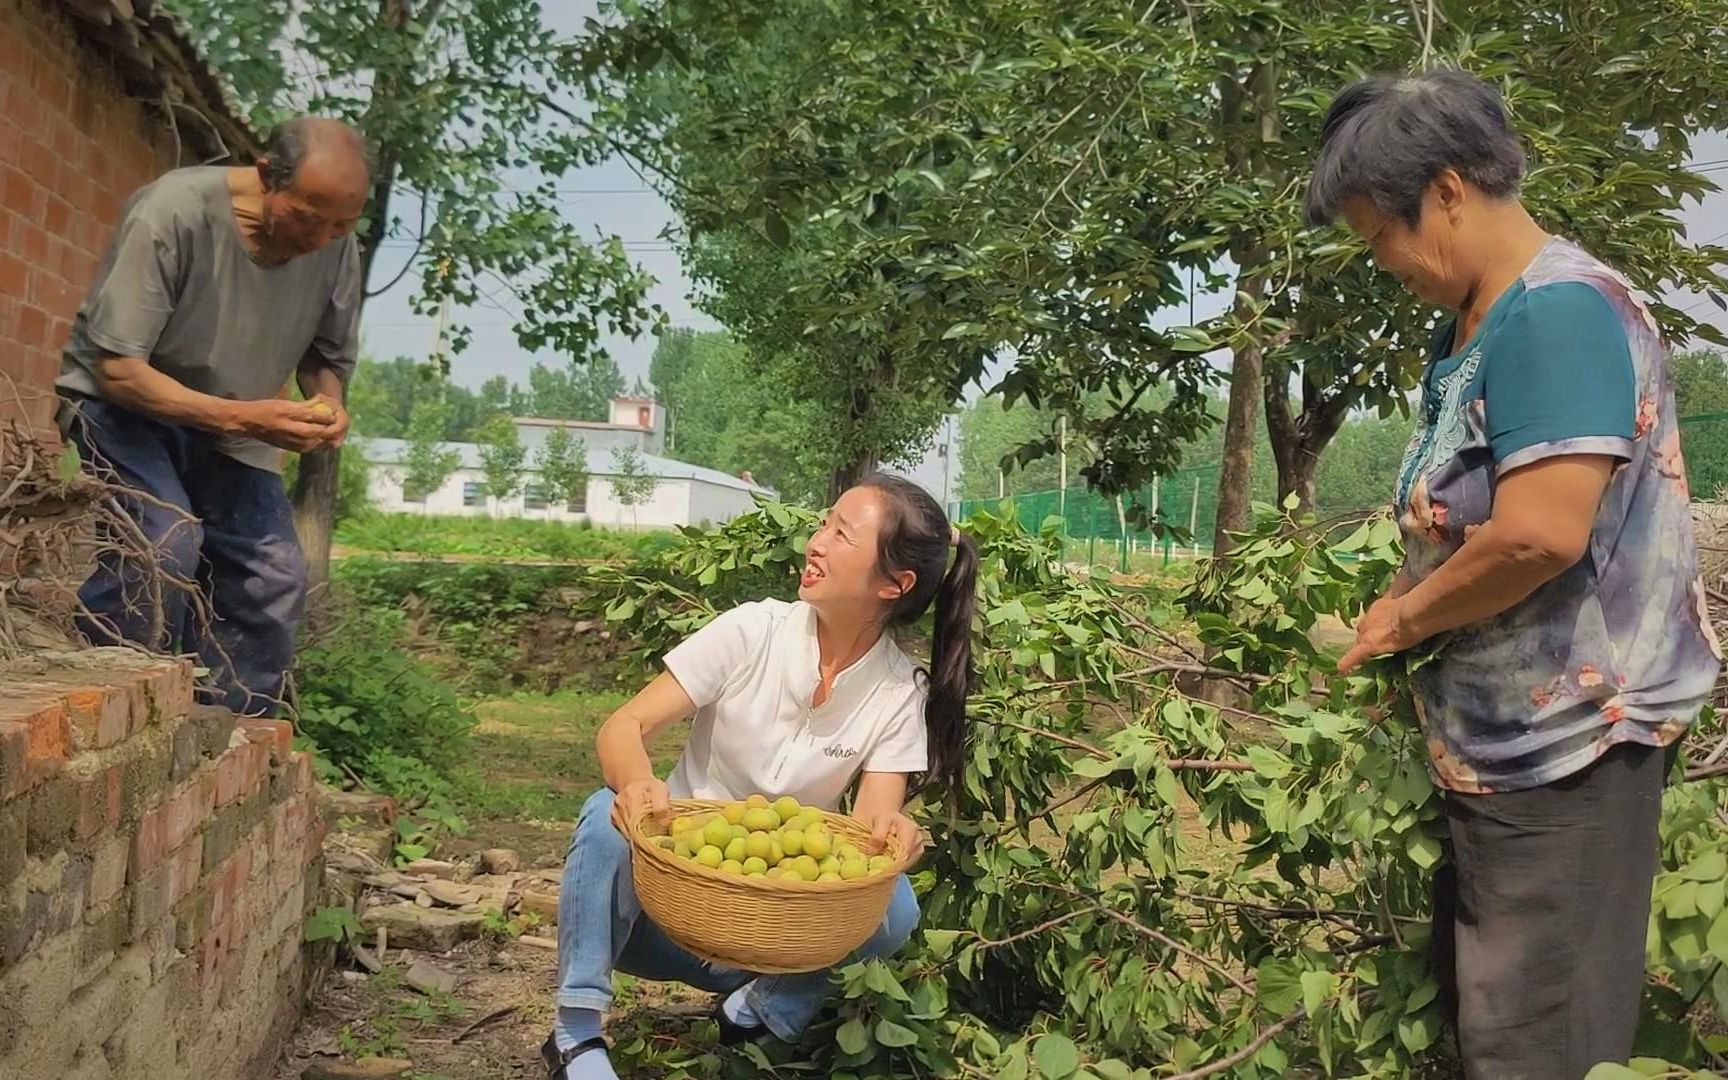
(219, 284)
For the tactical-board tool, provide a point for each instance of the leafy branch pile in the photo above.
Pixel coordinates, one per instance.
(1182, 847)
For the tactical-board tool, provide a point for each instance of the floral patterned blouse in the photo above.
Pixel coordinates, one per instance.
(1619, 647)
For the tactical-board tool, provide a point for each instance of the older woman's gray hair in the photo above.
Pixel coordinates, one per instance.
(1388, 137)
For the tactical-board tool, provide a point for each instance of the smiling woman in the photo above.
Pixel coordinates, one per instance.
(1549, 562)
(811, 699)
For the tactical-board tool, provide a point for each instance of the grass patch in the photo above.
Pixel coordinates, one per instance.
(498, 538)
(533, 755)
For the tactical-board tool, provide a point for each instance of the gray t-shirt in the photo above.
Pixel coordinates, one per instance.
(179, 288)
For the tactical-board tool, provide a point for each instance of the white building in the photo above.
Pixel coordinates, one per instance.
(683, 494)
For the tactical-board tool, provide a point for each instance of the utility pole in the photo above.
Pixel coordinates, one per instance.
(1062, 456)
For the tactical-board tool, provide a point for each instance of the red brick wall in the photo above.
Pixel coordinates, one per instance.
(73, 147)
(158, 861)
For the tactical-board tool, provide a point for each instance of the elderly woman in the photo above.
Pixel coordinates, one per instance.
(1544, 509)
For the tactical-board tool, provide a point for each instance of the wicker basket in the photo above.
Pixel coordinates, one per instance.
(765, 925)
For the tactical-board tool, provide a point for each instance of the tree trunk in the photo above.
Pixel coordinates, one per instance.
(861, 459)
(315, 488)
(1236, 477)
(848, 474)
(1299, 439)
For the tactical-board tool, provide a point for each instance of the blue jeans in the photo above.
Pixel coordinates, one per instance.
(601, 929)
(212, 520)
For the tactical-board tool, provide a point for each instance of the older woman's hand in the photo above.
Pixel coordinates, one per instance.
(1381, 631)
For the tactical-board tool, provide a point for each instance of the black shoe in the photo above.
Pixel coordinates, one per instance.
(555, 1059)
(732, 1034)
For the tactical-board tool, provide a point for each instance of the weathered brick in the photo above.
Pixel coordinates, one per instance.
(217, 727)
(257, 768)
(53, 814)
(231, 827)
(35, 993)
(32, 916)
(278, 735)
(147, 845)
(108, 871)
(14, 834)
(145, 782)
(230, 775)
(186, 750)
(98, 803)
(101, 937)
(48, 740)
(14, 760)
(169, 686)
(180, 815)
(154, 894)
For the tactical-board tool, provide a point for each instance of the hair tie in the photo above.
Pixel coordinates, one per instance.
(953, 536)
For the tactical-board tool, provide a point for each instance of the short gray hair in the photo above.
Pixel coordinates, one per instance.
(293, 141)
(1388, 137)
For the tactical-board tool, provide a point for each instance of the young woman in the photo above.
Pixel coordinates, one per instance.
(809, 699)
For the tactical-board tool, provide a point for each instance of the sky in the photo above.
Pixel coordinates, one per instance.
(611, 200)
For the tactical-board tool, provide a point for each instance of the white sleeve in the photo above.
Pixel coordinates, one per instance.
(904, 744)
(705, 662)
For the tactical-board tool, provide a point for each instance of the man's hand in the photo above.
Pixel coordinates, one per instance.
(326, 406)
(639, 798)
(902, 828)
(290, 425)
(1381, 631)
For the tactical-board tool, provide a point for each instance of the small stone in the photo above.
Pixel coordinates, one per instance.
(430, 978)
(450, 894)
(548, 862)
(465, 871)
(364, 1069)
(408, 890)
(536, 942)
(500, 861)
(541, 902)
(423, 930)
(422, 900)
(430, 868)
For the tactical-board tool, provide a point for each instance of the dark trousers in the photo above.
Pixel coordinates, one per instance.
(1539, 919)
(211, 520)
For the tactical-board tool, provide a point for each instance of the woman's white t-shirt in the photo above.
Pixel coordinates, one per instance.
(752, 673)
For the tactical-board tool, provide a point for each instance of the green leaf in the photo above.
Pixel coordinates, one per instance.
(1423, 849)
(1164, 783)
(852, 1037)
(1711, 866)
(1056, 1057)
(332, 924)
(1421, 996)
(1317, 986)
(67, 467)
(1717, 940)
(1610, 1071)
(1279, 986)
(1418, 1032)
(941, 942)
(1269, 763)
(890, 1034)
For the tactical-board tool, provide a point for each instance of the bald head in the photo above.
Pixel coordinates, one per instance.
(316, 175)
(333, 145)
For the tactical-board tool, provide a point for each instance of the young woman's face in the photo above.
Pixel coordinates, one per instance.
(840, 561)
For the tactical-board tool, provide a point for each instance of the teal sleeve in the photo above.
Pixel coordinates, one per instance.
(1560, 379)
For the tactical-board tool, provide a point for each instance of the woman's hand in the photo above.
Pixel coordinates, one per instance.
(903, 829)
(1381, 631)
(639, 798)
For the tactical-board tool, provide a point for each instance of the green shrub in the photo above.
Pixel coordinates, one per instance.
(502, 538)
(1132, 879)
(379, 712)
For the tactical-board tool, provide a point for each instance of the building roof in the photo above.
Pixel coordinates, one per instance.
(152, 51)
(395, 451)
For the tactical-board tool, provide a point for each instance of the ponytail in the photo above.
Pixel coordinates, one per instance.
(951, 672)
(916, 536)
